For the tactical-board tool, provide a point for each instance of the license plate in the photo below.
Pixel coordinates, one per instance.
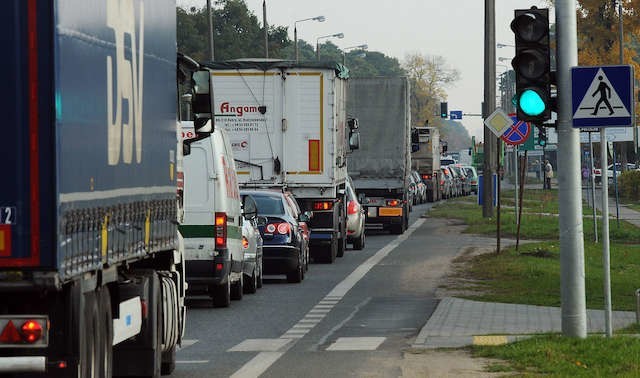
(390, 211)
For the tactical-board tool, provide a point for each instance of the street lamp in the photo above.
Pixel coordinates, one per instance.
(295, 30)
(344, 51)
(337, 35)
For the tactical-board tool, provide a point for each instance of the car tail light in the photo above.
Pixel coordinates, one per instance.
(245, 242)
(323, 205)
(31, 331)
(426, 177)
(393, 202)
(352, 207)
(220, 230)
(271, 228)
(284, 228)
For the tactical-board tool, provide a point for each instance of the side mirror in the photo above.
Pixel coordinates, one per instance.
(202, 101)
(304, 217)
(354, 141)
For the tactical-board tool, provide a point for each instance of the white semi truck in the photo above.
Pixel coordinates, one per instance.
(289, 129)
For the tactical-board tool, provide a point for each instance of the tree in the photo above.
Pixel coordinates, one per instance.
(429, 77)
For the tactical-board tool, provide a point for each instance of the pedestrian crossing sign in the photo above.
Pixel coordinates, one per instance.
(602, 96)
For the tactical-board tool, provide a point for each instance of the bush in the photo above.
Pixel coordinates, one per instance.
(629, 185)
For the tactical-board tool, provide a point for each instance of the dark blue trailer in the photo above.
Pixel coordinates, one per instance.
(89, 249)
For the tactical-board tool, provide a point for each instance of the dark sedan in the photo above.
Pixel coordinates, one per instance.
(282, 235)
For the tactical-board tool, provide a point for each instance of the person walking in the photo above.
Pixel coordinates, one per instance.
(548, 174)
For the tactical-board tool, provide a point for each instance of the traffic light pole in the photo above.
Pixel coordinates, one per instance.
(572, 271)
(489, 105)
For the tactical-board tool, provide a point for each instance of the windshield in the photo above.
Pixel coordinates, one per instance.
(269, 205)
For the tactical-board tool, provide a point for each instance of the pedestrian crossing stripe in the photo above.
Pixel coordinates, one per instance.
(601, 93)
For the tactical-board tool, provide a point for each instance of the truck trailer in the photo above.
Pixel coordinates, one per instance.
(425, 159)
(288, 128)
(380, 169)
(91, 261)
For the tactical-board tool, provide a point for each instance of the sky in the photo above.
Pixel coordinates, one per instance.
(453, 29)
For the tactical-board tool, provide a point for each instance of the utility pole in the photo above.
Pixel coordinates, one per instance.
(210, 21)
(572, 271)
(266, 28)
(490, 141)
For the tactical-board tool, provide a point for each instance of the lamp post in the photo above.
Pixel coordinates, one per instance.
(295, 30)
(344, 51)
(337, 35)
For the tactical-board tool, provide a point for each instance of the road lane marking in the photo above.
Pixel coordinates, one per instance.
(192, 361)
(356, 343)
(260, 345)
(260, 363)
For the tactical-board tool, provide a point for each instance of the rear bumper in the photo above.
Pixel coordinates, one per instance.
(31, 364)
(280, 259)
(204, 273)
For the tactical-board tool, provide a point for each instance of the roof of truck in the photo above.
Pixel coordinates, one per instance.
(267, 64)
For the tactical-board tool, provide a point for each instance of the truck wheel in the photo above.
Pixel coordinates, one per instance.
(105, 324)
(342, 246)
(168, 361)
(89, 356)
(237, 288)
(222, 294)
(332, 252)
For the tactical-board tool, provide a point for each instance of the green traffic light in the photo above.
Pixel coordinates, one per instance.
(531, 103)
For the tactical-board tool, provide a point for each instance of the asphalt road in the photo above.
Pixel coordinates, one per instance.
(355, 317)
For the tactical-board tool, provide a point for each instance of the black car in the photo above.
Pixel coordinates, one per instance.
(282, 234)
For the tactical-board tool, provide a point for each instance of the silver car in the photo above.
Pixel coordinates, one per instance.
(355, 217)
(251, 245)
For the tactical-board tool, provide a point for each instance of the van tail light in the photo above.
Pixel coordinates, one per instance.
(352, 207)
(323, 205)
(245, 242)
(393, 202)
(220, 230)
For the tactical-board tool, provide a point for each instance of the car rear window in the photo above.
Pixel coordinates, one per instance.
(269, 205)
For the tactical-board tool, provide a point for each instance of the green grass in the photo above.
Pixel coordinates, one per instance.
(532, 276)
(557, 356)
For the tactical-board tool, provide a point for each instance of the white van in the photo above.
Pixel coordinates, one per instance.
(212, 226)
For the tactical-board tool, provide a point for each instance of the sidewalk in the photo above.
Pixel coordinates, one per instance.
(459, 322)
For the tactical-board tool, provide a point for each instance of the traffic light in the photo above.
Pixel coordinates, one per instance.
(532, 65)
(542, 136)
(443, 110)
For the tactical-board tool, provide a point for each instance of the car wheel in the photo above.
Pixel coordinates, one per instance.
(358, 244)
(222, 294)
(260, 277)
(238, 288)
(252, 284)
(297, 275)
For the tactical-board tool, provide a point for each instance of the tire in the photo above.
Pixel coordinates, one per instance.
(297, 275)
(358, 244)
(252, 285)
(342, 246)
(168, 361)
(89, 356)
(105, 324)
(237, 288)
(222, 294)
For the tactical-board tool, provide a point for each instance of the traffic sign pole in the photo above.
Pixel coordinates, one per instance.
(572, 270)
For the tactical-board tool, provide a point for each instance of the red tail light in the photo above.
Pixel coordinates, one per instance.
(393, 202)
(352, 207)
(220, 230)
(31, 331)
(10, 334)
(323, 205)
(426, 177)
(280, 228)
(245, 242)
